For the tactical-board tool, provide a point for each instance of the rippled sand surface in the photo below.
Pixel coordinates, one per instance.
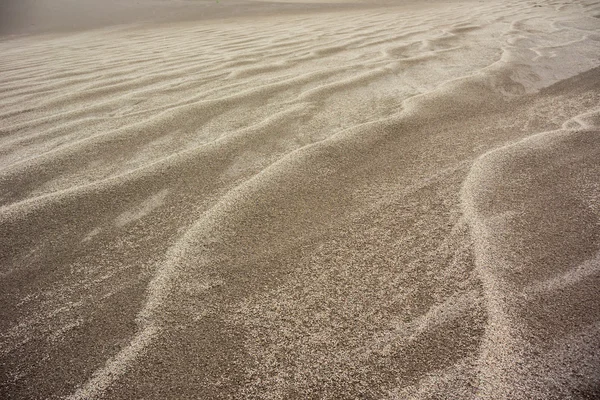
(331, 201)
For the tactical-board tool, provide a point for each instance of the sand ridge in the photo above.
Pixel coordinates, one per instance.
(326, 205)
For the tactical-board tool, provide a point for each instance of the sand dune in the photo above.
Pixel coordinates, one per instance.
(541, 272)
(391, 200)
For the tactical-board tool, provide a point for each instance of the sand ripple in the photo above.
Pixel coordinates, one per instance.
(396, 202)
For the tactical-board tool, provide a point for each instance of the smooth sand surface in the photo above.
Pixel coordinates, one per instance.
(269, 200)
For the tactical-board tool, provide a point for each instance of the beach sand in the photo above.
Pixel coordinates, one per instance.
(288, 200)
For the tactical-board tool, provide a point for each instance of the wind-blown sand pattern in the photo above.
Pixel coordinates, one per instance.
(392, 200)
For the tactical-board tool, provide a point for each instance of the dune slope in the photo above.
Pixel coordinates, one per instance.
(397, 202)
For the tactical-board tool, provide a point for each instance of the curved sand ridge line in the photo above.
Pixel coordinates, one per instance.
(534, 215)
(163, 282)
(55, 161)
(185, 117)
(231, 244)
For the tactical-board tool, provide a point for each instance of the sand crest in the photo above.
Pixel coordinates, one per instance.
(285, 200)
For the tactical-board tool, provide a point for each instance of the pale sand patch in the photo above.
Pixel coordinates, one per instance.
(142, 209)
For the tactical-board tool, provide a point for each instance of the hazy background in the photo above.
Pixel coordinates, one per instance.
(35, 16)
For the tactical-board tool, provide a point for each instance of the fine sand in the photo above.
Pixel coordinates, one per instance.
(319, 200)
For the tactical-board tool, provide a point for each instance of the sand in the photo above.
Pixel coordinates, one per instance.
(288, 200)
